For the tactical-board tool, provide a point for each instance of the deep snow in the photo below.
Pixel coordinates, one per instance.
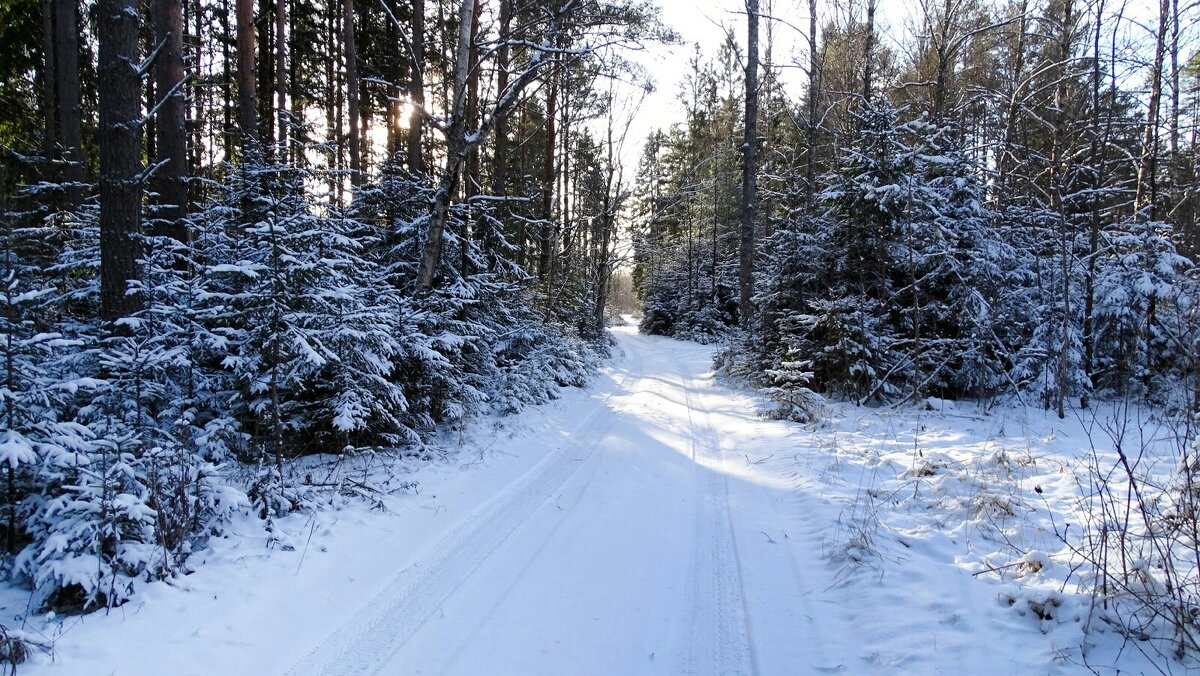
(651, 524)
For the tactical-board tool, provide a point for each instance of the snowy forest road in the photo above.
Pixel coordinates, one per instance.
(652, 523)
(623, 552)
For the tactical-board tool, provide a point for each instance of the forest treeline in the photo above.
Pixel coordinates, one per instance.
(235, 232)
(997, 197)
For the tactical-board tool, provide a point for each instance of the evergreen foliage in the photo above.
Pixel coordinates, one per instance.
(904, 278)
(284, 325)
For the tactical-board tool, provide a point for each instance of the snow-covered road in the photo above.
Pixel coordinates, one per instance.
(616, 554)
(651, 524)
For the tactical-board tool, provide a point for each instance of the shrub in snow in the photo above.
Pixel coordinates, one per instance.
(94, 534)
(127, 502)
(788, 385)
(35, 397)
(16, 647)
(1140, 546)
(851, 348)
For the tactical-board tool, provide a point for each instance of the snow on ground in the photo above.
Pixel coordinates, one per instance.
(652, 524)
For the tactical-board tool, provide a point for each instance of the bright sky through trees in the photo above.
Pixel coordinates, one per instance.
(704, 25)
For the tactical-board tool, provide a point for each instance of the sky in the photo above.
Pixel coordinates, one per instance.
(703, 23)
(697, 22)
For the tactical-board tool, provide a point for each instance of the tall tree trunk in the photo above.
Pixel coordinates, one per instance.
(1058, 163)
(396, 73)
(1147, 176)
(522, 233)
(944, 54)
(603, 269)
(266, 73)
(246, 75)
(814, 90)
(69, 101)
(458, 146)
(337, 99)
(416, 89)
(120, 156)
(472, 169)
(296, 46)
(170, 181)
(500, 159)
(1004, 161)
(199, 93)
(546, 230)
(749, 170)
(869, 53)
(229, 65)
(472, 105)
(49, 83)
(355, 141)
(500, 170)
(282, 114)
(330, 18)
(1097, 163)
(767, 91)
(1175, 92)
(364, 124)
(149, 100)
(560, 257)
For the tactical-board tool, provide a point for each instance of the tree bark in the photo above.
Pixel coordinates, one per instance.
(416, 89)
(1066, 235)
(1175, 92)
(355, 141)
(282, 116)
(1097, 161)
(395, 73)
(1147, 176)
(500, 170)
(814, 90)
(337, 99)
(120, 156)
(49, 83)
(197, 118)
(298, 43)
(749, 170)
(546, 231)
(246, 76)
(458, 146)
(229, 66)
(265, 44)
(472, 106)
(170, 181)
(611, 200)
(472, 168)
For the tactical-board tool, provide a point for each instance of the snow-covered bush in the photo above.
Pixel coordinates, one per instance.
(1139, 276)
(281, 323)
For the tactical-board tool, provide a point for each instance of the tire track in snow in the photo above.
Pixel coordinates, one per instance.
(470, 631)
(365, 643)
(720, 640)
